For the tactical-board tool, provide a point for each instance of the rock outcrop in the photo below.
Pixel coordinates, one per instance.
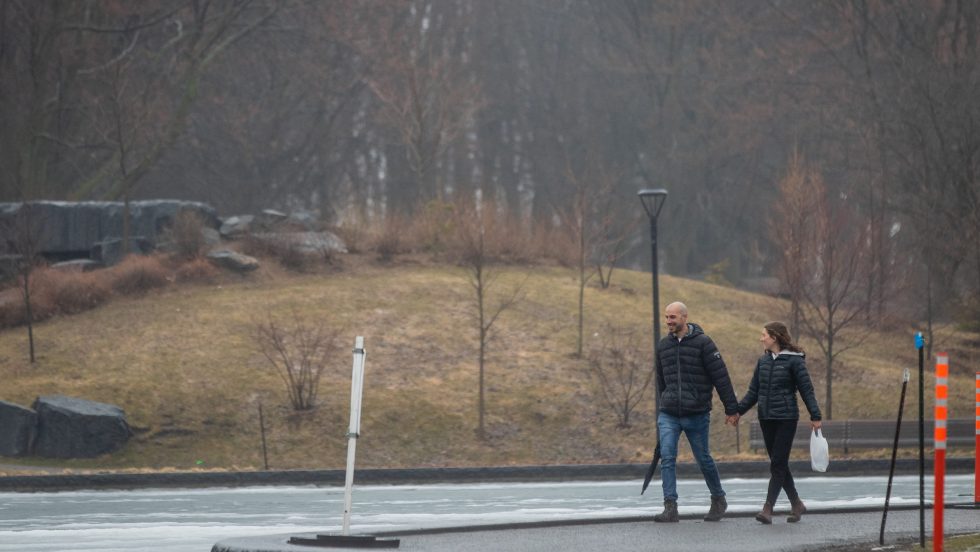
(68, 427)
(18, 429)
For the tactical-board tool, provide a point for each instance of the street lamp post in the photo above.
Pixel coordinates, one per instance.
(653, 201)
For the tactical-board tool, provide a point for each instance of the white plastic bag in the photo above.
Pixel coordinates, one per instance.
(819, 451)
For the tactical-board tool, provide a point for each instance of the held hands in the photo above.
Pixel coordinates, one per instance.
(733, 419)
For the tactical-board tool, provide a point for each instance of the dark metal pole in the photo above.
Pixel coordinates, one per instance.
(922, 446)
(653, 200)
(265, 456)
(891, 470)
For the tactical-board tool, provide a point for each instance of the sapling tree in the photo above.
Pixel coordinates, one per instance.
(299, 351)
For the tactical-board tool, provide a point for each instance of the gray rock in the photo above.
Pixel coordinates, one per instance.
(211, 237)
(18, 429)
(70, 229)
(302, 219)
(78, 265)
(270, 220)
(312, 243)
(9, 265)
(77, 428)
(110, 251)
(231, 260)
(236, 227)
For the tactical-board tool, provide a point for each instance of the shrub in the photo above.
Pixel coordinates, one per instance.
(432, 228)
(354, 233)
(197, 270)
(279, 247)
(620, 372)
(72, 292)
(299, 352)
(392, 239)
(137, 274)
(13, 311)
(187, 234)
(548, 241)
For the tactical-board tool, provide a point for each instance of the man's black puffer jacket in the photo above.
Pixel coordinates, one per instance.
(688, 370)
(774, 386)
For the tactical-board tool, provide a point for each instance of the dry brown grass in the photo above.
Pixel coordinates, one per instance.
(181, 363)
(197, 270)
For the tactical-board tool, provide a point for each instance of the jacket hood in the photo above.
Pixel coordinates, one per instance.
(692, 330)
(784, 352)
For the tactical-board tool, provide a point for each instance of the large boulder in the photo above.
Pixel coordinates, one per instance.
(110, 251)
(234, 261)
(18, 428)
(236, 227)
(69, 230)
(77, 428)
(310, 243)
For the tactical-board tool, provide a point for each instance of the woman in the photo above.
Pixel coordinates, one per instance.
(779, 374)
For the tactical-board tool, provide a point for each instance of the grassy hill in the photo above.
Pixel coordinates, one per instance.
(182, 363)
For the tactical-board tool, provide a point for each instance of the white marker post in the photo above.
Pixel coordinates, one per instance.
(356, 389)
(345, 539)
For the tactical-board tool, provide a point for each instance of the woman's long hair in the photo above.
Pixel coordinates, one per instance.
(779, 332)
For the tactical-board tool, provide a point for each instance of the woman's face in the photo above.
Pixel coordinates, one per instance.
(768, 342)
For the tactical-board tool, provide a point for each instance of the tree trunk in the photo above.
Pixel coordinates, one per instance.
(830, 376)
(29, 311)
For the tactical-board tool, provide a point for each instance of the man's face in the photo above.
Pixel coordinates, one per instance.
(674, 318)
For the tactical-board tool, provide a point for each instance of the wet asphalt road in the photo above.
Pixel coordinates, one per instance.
(817, 531)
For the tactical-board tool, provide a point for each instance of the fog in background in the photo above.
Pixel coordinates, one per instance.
(862, 112)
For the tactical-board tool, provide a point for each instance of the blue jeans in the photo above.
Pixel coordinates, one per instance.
(696, 427)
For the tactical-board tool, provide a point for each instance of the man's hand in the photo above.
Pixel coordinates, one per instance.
(733, 420)
(815, 424)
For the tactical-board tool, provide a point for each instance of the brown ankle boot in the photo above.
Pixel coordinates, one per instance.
(718, 508)
(797, 511)
(669, 515)
(765, 516)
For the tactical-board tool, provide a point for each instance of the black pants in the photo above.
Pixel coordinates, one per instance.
(779, 435)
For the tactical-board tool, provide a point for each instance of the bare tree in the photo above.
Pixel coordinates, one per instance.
(71, 60)
(824, 267)
(476, 247)
(24, 235)
(621, 372)
(589, 223)
(791, 225)
(904, 74)
(299, 351)
(426, 92)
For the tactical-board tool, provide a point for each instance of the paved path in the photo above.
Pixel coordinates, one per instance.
(857, 530)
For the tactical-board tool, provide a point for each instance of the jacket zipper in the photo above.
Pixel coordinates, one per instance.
(772, 370)
(680, 396)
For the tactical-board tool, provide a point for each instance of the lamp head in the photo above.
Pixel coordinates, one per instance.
(653, 200)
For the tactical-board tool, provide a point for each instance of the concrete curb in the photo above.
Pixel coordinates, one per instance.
(394, 476)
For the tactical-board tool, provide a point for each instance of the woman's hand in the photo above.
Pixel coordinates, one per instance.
(815, 424)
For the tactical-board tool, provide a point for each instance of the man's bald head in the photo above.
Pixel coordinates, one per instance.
(675, 316)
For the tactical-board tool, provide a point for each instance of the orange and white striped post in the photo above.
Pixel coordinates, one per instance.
(976, 452)
(941, 415)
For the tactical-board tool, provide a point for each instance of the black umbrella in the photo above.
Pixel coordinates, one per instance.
(652, 468)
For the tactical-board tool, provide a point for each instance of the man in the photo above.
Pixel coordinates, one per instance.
(689, 366)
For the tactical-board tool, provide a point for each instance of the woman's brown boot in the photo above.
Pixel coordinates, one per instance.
(797, 511)
(765, 516)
